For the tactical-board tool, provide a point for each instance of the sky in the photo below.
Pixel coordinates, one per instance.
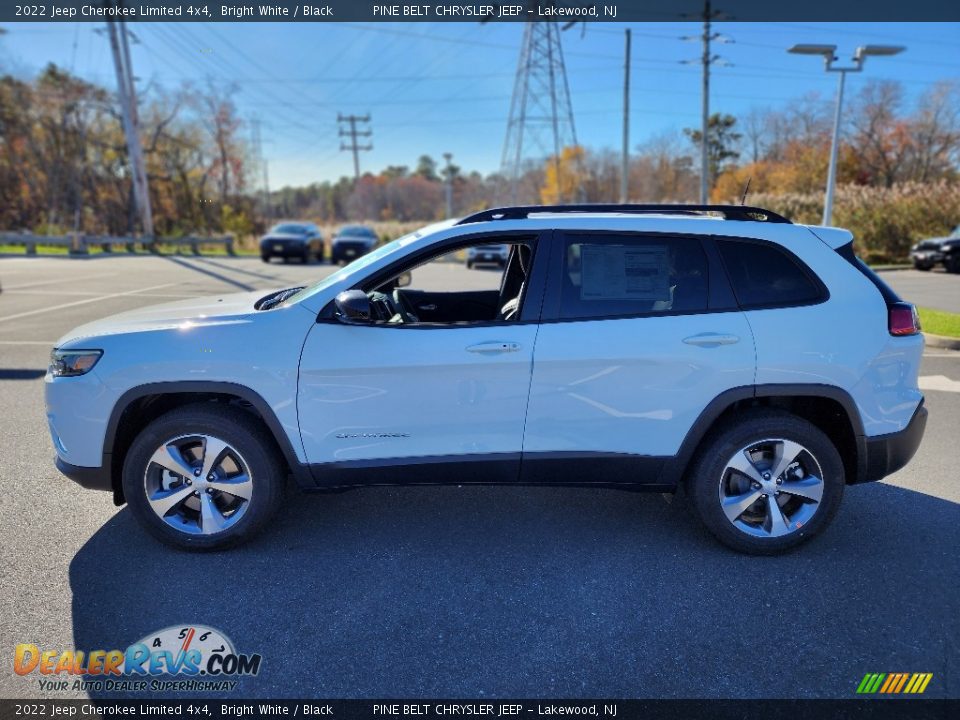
(433, 88)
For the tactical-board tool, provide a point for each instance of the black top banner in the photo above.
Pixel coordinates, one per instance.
(564, 11)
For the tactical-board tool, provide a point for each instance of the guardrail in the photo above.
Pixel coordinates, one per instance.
(80, 244)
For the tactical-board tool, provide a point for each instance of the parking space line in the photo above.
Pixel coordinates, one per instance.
(58, 280)
(48, 343)
(40, 311)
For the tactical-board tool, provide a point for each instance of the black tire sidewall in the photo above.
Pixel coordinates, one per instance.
(704, 478)
(238, 431)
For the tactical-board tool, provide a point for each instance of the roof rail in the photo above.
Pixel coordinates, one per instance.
(729, 212)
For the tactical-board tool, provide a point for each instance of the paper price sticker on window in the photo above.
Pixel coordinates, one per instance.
(619, 272)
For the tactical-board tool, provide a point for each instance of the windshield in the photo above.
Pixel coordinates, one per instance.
(355, 267)
(289, 229)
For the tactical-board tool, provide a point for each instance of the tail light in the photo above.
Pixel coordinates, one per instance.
(902, 319)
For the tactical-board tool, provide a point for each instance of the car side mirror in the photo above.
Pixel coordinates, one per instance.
(404, 279)
(353, 307)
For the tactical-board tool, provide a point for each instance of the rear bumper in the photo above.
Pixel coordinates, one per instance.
(92, 478)
(268, 250)
(885, 454)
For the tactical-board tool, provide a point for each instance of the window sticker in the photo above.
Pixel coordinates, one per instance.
(622, 272)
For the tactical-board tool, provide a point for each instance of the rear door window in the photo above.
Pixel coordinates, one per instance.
(605, 276)
(764, 275)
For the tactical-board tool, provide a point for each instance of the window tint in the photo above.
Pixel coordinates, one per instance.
(764, 275)
(616, 275)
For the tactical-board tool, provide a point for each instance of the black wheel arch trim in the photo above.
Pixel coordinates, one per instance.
(674, 470)
(300, 470)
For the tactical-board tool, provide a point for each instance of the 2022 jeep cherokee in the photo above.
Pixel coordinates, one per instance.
(723, 348)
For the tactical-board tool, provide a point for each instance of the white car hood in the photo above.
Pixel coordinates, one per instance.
(210, 310)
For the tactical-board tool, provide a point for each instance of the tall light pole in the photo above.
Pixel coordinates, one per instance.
(829, 58)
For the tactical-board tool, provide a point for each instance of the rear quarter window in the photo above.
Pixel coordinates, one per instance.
(764, 275)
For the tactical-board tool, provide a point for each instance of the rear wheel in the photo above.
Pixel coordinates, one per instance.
(265, 258)
(203, 477)
(766, 482)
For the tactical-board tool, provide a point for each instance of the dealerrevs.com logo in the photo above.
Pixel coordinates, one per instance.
(204, 655)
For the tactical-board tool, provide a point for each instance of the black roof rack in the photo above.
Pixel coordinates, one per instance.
(729, 212)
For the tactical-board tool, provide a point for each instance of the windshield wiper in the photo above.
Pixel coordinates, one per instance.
(274, 299)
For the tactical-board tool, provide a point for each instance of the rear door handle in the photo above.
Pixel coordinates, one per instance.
(492, 348)
(427, 308)
(711, 339)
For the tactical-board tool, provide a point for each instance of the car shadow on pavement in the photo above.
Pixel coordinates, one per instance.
(542, 592)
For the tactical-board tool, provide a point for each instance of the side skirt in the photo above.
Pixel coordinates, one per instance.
(577, 469)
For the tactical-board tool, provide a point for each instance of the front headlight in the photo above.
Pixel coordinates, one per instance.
(70, 363)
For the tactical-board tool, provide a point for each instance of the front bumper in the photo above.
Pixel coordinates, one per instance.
(91, 478)
(926, 257)
(885, 454)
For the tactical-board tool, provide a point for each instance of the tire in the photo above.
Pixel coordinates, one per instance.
(245, 450)
(952, 264)
(711, 481)
(265, 258)
(469, 265)
(921, 266)
(306, 257)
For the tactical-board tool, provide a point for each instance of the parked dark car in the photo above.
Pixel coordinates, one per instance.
(352, 241)
(292, 240)
(938, 251)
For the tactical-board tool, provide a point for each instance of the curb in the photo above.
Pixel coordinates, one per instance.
(941, 341)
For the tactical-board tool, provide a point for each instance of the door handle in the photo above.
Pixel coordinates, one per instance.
(711, 339)
(492, 348)
(427, 308)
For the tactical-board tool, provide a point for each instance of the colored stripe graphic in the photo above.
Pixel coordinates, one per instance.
(894, 683)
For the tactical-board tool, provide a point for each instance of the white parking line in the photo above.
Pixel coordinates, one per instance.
(48, 343)
(62, 280)
(40, 311)
(938, 382)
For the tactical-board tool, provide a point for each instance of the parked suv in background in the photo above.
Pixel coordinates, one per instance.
(756, 363)
(936, 251)
(292, 240)
(352, 241)
(488, 255)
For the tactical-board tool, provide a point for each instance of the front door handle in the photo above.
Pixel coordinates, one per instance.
(711, 339)
(428, 308)
(492, 348)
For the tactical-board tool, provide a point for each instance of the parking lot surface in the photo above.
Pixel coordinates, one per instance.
(935, 289)
(467, 591)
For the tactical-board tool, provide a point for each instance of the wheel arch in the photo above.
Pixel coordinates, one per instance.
(830, 408)
(142, 404)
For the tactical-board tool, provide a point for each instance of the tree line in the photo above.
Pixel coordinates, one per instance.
(63, 161)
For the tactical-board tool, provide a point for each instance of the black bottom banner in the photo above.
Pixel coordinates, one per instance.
(509, 709)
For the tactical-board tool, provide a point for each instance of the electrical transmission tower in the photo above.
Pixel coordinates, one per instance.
(541, 115)
(350, 130)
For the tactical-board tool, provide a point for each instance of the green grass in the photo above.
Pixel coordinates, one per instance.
(939, 322)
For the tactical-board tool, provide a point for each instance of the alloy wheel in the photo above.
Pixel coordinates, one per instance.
(198, 484)
(771, 488)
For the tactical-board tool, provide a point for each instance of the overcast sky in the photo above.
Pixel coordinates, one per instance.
(445, 87)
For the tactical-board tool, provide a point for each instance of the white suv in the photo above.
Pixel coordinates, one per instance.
(721, 349)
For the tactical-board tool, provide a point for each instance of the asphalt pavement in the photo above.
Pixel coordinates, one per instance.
(935, 289)
(467, 591)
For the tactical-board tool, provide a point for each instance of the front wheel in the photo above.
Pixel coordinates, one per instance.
(921, 266)
(265, 258)
(766, 482)
(952, 264)
(203, 477)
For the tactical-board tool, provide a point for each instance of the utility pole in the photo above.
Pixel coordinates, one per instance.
(625, 160)
(126, 94)
(353, 133)
(706, 60)
(449, 183)
(261, 162)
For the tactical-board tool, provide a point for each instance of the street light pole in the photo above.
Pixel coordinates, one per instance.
(834, 144)
(449, 184)
(829, 57)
